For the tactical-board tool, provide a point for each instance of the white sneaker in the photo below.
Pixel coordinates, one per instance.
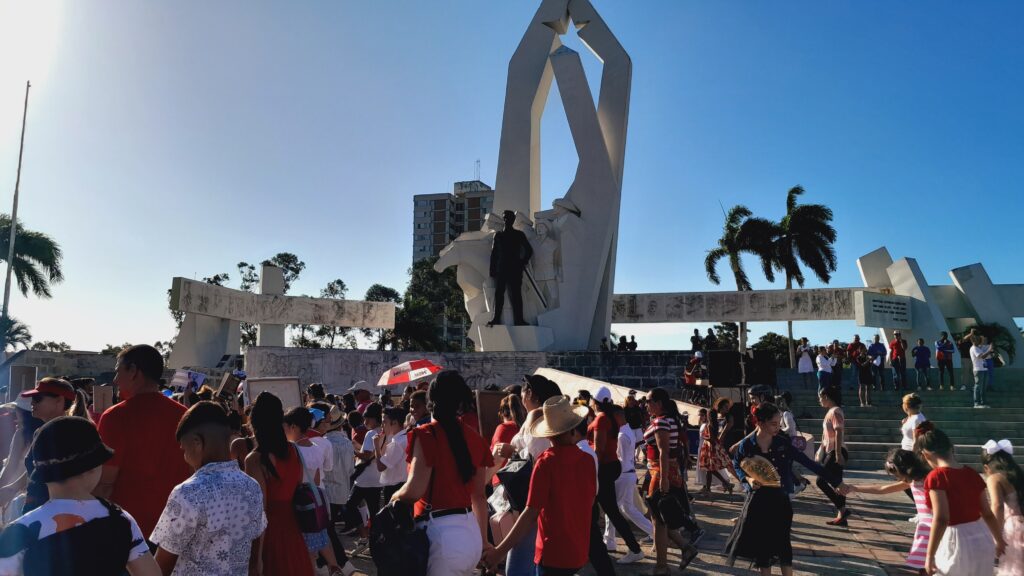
(913, 519)
(963, 387)
(631, 558)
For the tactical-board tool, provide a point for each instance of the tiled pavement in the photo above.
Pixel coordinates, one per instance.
(875, 543)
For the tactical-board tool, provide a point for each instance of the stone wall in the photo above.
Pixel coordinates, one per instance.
(338, 369)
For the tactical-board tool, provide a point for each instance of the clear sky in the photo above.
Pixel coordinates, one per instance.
(178, 138)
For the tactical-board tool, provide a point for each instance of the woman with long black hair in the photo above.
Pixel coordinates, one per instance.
(275, 465)
(666, 491)
(448, 470)
(762, 532)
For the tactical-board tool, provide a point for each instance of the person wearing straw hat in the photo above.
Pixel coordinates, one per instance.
(557, 505)
(73, 533)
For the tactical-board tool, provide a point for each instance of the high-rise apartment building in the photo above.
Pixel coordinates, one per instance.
(440, 218)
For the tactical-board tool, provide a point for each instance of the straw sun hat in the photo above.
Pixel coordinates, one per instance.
(560, 416)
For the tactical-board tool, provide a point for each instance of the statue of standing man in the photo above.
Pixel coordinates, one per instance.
(509, 256)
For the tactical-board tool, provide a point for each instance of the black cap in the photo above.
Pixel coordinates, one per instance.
(65, 447)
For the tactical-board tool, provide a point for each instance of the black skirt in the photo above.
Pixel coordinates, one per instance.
(762, 532)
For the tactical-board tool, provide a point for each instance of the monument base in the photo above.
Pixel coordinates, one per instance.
(503, 338)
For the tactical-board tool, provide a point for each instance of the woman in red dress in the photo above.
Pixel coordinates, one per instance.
(276, 466)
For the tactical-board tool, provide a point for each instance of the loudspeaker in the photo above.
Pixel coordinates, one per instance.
(723, 368)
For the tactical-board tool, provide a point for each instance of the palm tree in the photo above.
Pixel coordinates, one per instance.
(805, 237)
(37, 258)
(14, 332)
(742, 234)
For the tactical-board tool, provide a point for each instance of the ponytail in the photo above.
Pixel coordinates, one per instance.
(80, 407)
(448, 393)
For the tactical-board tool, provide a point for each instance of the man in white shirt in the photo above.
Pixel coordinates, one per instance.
(366, 495)
(390, 448)
(980, 352)
(626, 485)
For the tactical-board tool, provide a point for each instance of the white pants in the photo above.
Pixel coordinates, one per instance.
(455, 545)
(625, 495)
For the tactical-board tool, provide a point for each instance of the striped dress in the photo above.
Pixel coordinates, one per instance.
(919, 548)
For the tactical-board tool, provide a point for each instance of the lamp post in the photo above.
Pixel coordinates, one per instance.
(14, 210)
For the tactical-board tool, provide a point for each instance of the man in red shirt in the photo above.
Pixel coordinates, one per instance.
(853, 352)
(562, 491)
(898, 360)
(148, 461)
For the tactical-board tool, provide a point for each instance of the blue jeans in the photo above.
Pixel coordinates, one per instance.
(824, 379)
(899, 373)
(922, 373)
(980, 380)
(877, 376)
(519, 561)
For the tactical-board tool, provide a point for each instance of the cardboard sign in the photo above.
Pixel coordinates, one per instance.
(102, 398)
(487, 404)
(286, 388)
(228, 386)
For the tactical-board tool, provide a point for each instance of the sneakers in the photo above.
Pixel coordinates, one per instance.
(913, 519)
(631, 558)
(362, 545)
(696, 536)
(962, 388)
(647, 540)
(980, 406)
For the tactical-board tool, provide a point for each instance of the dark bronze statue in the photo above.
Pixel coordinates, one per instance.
(509, 257)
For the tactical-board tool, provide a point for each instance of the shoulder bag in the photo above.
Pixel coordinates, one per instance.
(309, 503)
(515, 477)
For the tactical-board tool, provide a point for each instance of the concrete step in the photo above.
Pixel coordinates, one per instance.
(993, 412)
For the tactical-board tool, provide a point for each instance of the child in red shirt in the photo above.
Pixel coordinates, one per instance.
(965, 537)
(562, 491)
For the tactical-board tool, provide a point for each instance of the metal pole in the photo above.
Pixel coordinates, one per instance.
(14, 210)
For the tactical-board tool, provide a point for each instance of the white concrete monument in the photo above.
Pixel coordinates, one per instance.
(568, 290)
(211, 326)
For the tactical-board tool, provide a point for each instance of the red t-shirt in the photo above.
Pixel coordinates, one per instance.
(472, 420)
(503, 434)
(963, 487)
(358, 434)
(150, 462)
(446, 488)
(603, 425)
(562, 489)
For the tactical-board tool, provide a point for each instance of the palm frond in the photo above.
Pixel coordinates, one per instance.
(711, 263)
(791, 198)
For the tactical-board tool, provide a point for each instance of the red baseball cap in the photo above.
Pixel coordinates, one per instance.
(53, 387)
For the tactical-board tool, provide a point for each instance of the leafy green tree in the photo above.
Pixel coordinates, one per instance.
(727, 334)
(111, 350)
(249, 281)
(777, 345)
(291, 266)
(217, 279)
(441, 293)
(51, 346)
(416, 327)
(164, 348)
(998, 335)
(14, 332)
(37, 258)
(742, 234)
(805, 238)
(328, 336)
(381, 293)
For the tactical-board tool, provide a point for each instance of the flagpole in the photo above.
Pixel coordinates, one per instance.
(14, 210)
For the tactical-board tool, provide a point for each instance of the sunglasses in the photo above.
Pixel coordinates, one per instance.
(39, 397)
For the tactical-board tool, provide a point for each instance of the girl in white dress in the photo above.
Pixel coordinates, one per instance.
(1005, 481)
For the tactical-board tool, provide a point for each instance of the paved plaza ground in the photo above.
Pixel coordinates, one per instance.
(875, 543)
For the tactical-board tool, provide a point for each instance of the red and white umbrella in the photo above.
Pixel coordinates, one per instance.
(408, 372)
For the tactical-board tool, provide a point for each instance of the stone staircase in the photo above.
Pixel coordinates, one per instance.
(872, 432)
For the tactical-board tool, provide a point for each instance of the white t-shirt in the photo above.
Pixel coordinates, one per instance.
(59, 515)
(976, 357)
(370, 477)
(340, 477)
(317, 456)
(806, 362)
(393, 457)
(627, 449)
(789, 423)
(585, 446)
(824, 363)
(526, 445)
(907, 443)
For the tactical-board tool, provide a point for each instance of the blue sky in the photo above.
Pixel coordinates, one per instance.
(176, 139)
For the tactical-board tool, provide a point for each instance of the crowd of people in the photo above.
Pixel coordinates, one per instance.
(220, 487)
(866, 364)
